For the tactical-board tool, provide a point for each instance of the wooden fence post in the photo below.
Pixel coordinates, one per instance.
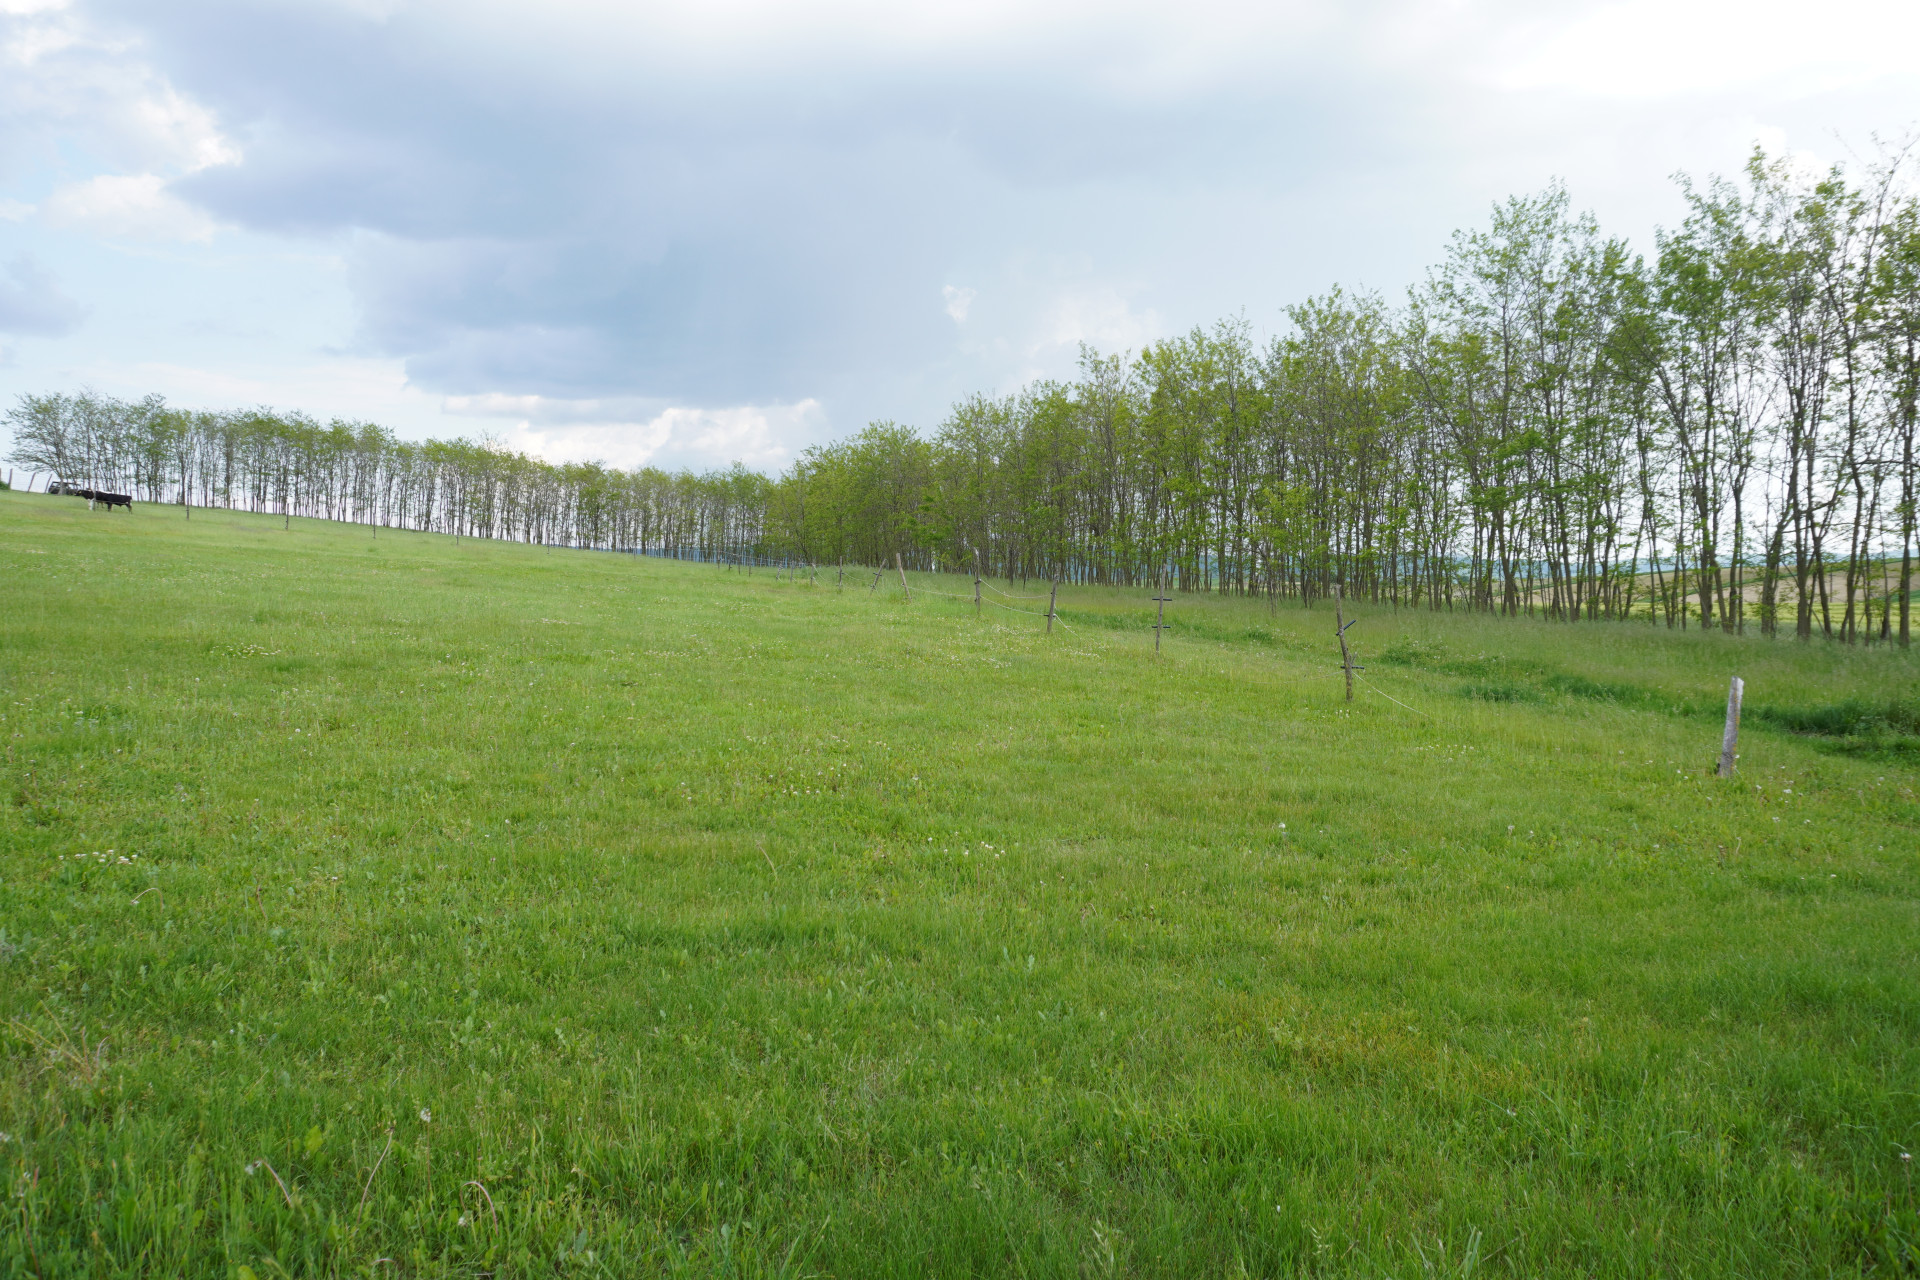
(1730, 737)
(976, 582)
(1160, 619)
(874, 585)
(897, 563)
(1340, 630)
(1051, 597)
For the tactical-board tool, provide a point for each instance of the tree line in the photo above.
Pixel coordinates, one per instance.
(1720, 434)
(288, 464)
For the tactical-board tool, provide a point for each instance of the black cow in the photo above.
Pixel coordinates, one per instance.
(111, 500)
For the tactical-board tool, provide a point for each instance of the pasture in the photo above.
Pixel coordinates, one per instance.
(377, 906)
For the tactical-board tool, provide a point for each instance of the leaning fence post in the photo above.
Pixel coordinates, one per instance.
(1730, 738)
(976, 583)
(1051, 597)
(903, 575)
(1340, 630)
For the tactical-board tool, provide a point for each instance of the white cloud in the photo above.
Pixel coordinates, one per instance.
(127, 207)
(342, 387)
(764, 437)
(547, 410)
(67, 80)
(1652, 49)
(1803, 163)
(189, 133)
(958, 300)
(15, 210)
(1099, 317)
(72, 89)
(619, 431)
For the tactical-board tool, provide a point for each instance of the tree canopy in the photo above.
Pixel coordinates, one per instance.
(1720, 435)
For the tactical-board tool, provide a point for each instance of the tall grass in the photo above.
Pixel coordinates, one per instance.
(398, 907)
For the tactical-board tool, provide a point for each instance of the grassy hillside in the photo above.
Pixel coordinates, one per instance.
(386, 906)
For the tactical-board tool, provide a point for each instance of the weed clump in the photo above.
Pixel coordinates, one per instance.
(1851, 718)
(1413, 651)
(1854, 726)
(1577, 686)
(1500, 691)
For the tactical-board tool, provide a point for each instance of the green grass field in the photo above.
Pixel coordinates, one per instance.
(390, 906)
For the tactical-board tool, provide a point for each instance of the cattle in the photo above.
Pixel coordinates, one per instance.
(111, 500)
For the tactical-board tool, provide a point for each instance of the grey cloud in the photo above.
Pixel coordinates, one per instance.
(72, 94)
(666, 210)
(711, 237)
(31, 303)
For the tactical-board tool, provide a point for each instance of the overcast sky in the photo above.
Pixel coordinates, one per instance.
(689, 233)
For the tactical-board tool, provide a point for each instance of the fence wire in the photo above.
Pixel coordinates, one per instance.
(744, 559)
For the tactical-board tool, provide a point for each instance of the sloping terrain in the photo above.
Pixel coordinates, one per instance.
(485, 909)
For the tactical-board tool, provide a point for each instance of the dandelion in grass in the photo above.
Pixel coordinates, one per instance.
(426, 1115)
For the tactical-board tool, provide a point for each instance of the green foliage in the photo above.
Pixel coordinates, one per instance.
(1853, 717)
(1414, 651)
(1721, 436)
(1579, 686)
(1864, 726)
(1500, 691)
(386, 905)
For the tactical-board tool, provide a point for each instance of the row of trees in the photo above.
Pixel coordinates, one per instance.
(289, 464)
(1721, 435)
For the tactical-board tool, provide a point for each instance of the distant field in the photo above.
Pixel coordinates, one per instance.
(383, 906)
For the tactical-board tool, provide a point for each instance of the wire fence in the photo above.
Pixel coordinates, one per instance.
(752, 558)
(988, 586)
(748, 557)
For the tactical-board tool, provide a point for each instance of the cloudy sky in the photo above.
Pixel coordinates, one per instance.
(688, 233)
